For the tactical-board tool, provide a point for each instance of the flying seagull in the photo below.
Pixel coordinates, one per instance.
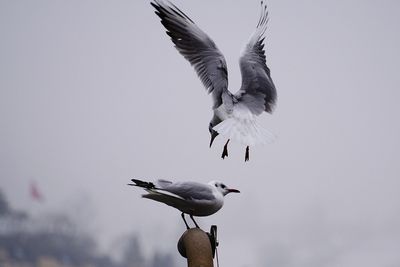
(195, 199)
(234, 114)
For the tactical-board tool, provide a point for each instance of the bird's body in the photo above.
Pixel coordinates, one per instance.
(204, 201)
(193, 198)
(234, 114)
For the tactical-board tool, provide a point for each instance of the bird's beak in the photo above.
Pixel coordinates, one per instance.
(231, 190)
(213, 135)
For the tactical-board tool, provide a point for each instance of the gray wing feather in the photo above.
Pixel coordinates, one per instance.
(258, 91)
(190, 190)
(196, 47)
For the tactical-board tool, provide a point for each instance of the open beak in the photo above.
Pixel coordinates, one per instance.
(231, 190)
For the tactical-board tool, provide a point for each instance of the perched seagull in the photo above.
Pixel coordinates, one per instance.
(195, 199)
(234, 114)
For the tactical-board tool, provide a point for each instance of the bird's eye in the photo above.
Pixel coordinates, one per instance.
(223, 186)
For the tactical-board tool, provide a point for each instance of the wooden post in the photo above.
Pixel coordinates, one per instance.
(195, 245)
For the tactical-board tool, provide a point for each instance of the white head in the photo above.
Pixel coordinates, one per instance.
(223, 188)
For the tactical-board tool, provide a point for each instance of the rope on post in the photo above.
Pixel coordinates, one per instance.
(195, 245)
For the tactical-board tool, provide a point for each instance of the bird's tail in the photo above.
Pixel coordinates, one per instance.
(140, 183)
(248, 132)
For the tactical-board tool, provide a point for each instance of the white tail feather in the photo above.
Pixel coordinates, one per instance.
(247, 132)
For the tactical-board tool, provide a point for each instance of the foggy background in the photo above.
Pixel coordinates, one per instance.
(93, 93)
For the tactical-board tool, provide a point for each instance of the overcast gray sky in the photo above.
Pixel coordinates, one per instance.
(92, 93)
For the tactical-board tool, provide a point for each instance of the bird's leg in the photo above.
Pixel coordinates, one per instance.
(246, 157)
(183, 217)
(191, 217)
(225, 152)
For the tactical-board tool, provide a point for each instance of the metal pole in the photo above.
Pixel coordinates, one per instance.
(195, 245)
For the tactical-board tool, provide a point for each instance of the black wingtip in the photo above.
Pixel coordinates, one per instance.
(155, 5)
(143, 184)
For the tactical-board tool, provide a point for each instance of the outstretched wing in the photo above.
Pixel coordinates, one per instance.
(196, 47)
(258, 91)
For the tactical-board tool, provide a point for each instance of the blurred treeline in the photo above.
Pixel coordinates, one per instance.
(56, 241)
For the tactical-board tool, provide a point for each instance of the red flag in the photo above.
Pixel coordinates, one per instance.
(35, 193)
